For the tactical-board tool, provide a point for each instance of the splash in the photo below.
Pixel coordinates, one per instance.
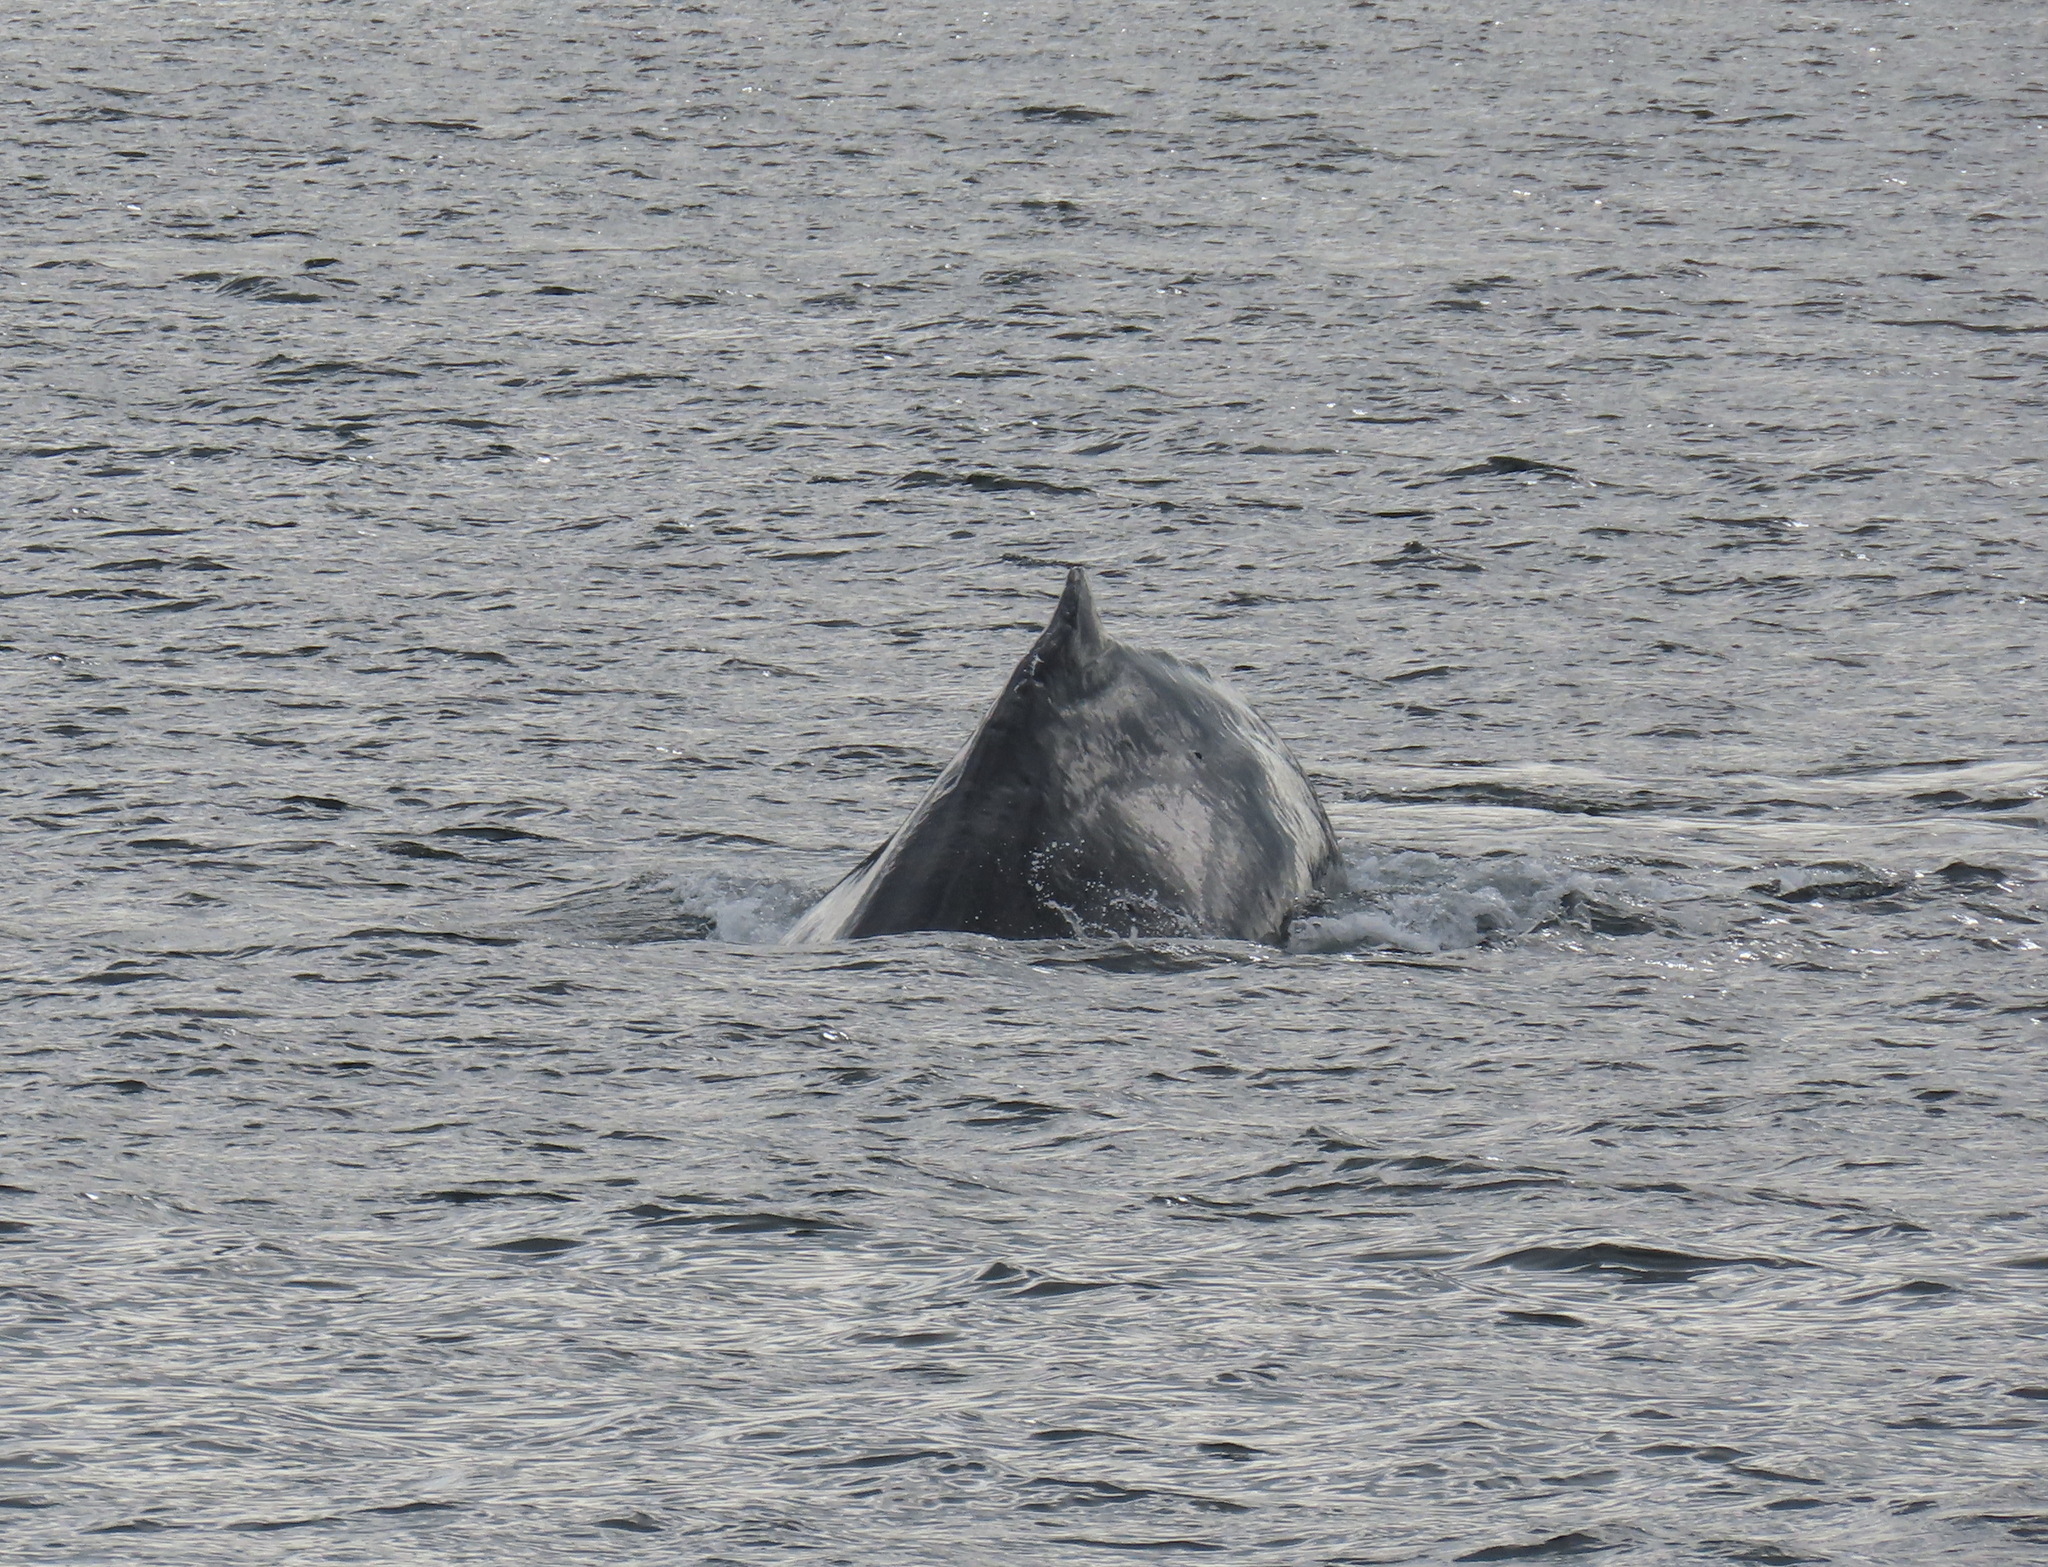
(750, 910)
(1415, 901)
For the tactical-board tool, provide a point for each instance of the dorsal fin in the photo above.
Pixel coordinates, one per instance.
(1075, 631)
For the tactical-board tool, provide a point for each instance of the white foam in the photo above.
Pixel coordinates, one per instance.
(1415, 901)
(744, 909)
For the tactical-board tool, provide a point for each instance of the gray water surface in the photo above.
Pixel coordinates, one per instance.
(504, 504)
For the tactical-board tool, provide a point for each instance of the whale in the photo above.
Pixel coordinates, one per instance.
(1108, 792)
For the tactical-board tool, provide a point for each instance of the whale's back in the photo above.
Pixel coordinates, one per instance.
(1109, 791)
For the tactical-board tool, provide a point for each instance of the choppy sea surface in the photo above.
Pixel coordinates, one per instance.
(504, 503)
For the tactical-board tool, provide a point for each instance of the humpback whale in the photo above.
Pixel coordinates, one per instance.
(1108, 791)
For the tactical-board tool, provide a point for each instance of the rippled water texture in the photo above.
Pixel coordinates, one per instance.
(505, 503)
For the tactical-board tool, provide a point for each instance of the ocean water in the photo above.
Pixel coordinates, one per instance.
(504, 503)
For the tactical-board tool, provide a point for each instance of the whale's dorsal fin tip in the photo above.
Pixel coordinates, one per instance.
(1074, 620)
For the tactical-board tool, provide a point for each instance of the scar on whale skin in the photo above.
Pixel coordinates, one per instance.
(1109, 791)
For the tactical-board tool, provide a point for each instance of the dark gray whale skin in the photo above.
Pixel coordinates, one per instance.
(1109, 791)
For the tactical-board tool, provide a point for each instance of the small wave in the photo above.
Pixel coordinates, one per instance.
(1834, 881)
(1145, 957)
(1630, 1263)
(695, 905)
